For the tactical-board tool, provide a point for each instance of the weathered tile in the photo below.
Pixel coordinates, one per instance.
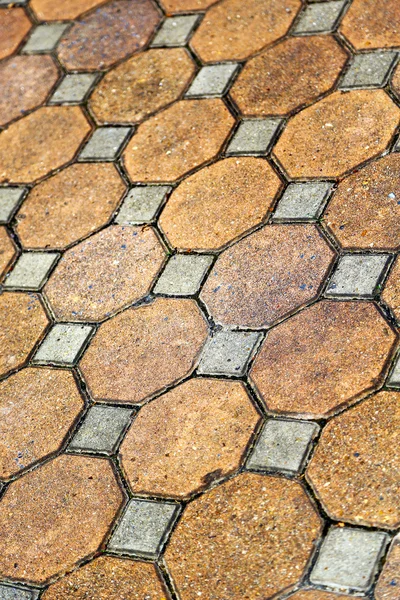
(31, 270)
(302, 201)
(389, 581)
(10, 197)
(63, 344)
(320, 17)
(73, 88)
(142, 204)
(186, 439)
(369, 25)
(368, 70)
(396, 80)
(228, 352)
(48, 10)
(8, 250)
(337, 351)
(357, 275)
(314, 594)
(175, 31)
(12, 592)
(391, 292)
(172, 6)
(212, 80)
(183, 275)
(253, 136)
(104, 143)
(101, 429)
(394, 376)
(45, 38)
(14, 25)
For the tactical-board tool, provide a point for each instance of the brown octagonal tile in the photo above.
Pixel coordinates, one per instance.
(69, 205)
(37, 407)
(248, 538)
(368, 24)
(143, 350)
(359, 447)
(388, 586)
(325, 357)
(267, 275)
(55, 516)
(391, 292)
(317, 595)
(396, 80)
(233, 30)
(14, 25)
(7, 250)
(48, 10)
(167, 146)
(142, 85)
(175, 6)
(40, 142)
(357, 124)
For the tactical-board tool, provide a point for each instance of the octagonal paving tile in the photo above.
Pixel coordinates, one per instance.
(55, 516)
(364, 212)
(175, 6)
(129, 26)
(142, 350)
(7, 250)
(359, 447)
(22, 323)
(142, 85)
(41, 142)
(104, 273)
(232, 30)
(391, 292)
(388, 585)
(318, 595)
(48, 10)
(358, 124)
(368, 25)
(166, 146)
(266, 276)
(14, 25)
(301, 69)
(323, 358)
(250, 537)
(69, 205)
(38, 406)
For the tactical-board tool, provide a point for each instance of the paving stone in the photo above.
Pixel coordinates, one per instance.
(313, 594)
(55, 516)
(175, 31)
(14, 25)
(8, 250)
(391, 292)
(359, 124)
(38, 407)
(266, 276)
(43, 141)
(63, 344)
(252, 536)
(166, 146)
(128, 25)
(396, 80)
(11, 592)
(142, 85)
(183, 275)
(320, 17)
(283, 446)
(188, 438)
(69, 205)
(337, 351)
(296, 71)
(104, 143)
(369, 25)
(48, 10)
(10, 197)
(212, 80)
(141, 204)
(389, 581)
(73, 88)
(101, 429)
(394, 377)
(368, 70)
(31, 270)
(219, 203)
(45, 38)
(172, 6)
(349, 558)
(228, 352)
(87, 286)
(232, 30)
(357, 275)
(144, 528)
(360, 446)
(302, 201)
(253, 136)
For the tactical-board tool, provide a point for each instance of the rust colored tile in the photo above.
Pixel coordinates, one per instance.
(175, 6)
(359, 447)
(233, 30)
(55, 516)
(396, 80)
(368, 24)
(128, 24)
(327, 356)
(22, 323)
(248, 538)
(357, 125)
(391, 292)
(40, 142)
(104, 273)
(48, 10)
(167, 146)
(14, 25)
(219, 203)
(144, 349)
(267, 275)
(294, 72)
(7, 250)
(388, 587)
(70, 205)
(317, 595)
(37, 407)
(365, 210)
(142, 85)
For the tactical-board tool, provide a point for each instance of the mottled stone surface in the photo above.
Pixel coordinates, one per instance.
(396, 80)
(48, 10)
(7, 250)
(388, 587)
(368, 24)
(173, 6)
(317, 595)
(14, 25)
(391, 292)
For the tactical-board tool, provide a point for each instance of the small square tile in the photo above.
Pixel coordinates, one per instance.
(302, 201)
(348, 558)
(6, 3)
(394, 375)
(12, 592)
(142, 204)
(144, 528)
(320, 17)
(212, 80)
(63, 344)
(105, 143)
(175, 31)
(369, 70)
(253, 137)
(10, 198)
(283, 445)
(101, 429)
(73, 88)
(31, 270)
(228, 352)
(357, 275)
(45, 38)
(183, 274)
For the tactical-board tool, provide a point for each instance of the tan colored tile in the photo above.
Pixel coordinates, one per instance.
(317, 595)
(7, 250)
(248, 538)
(357, 124)
(396, 80)
(38, 406)
(14, 25)
(40, 142)
(267, 275)
(233, 30)
(48, 10)
(55, 516)
(142, 85)
(327, 356)
(70, 205)
(174, 6)
(388, 586)
(391, 292)
(368, 24)
(167, 146)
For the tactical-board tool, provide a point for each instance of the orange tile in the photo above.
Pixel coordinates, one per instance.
(368, 24)
(14, 25)
(7, 250)
(174, 6)
(391, 291)
(389, 581)
(48, 10)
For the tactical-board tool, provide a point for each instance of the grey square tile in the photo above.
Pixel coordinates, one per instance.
(183, 274)
(13, 592)
(63, 344)
(253, 137)
(303, 201)
(144, 527)
(73, 88)
(396, 147)
(6, 3)
(357, 275)
(394, 375)
(369, 70)
(101, 429)
(320, 17)
(283, 445)
(348, 558)
(31, 270)
(142, 204)
(105, 143)
(45, 38)
(10, 197)
(212, 80)
(228, 352)
(175, 31)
